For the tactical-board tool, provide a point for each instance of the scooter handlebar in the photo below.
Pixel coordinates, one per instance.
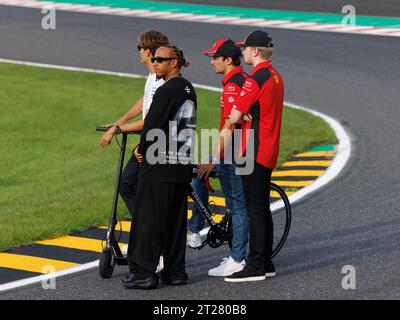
(104, 129)
(100, 128)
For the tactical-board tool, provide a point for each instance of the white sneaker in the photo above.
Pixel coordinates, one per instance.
(193, 240)
(227, 267)
(160, 265)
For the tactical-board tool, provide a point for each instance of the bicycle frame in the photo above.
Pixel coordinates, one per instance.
(218, 233)
(203, 209)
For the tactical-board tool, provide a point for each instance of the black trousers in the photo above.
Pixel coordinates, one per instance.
(159, 228)
(257, 193)
(128, 183)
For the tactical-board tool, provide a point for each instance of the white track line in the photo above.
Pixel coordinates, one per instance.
(165, 15)
(338, 163)
(33, 280)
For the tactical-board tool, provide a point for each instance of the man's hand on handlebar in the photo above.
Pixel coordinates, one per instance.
(107, 137)
(119, 122)
(109, 125)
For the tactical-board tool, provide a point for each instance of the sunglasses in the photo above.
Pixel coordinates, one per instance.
(161, 59)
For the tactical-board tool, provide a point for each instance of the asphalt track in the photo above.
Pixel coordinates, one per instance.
(352, 221)
(385, 8)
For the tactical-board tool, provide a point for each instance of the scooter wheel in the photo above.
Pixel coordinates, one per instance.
(106, 264)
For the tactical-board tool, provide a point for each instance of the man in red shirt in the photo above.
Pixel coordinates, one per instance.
(225, 59)
(261, 99)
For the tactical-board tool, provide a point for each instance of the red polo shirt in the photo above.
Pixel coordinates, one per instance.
(232, 86)
(262, 97)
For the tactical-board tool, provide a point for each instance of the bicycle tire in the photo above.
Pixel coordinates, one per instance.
(281, 216)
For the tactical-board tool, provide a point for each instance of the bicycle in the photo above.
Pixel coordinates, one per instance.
(218, 233)
(222, 232)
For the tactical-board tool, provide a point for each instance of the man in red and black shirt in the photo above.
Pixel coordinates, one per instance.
(225, 59)
(261, 102)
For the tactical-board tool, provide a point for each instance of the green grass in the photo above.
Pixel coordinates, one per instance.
(55, 179)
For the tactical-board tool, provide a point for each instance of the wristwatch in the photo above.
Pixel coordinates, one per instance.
(117, 130)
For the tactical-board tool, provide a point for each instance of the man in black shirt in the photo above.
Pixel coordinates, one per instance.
(166, 153)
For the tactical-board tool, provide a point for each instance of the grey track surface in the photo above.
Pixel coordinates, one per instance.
(388, 8)
(354, 220)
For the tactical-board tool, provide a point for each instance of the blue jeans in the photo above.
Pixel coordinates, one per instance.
(232, 188)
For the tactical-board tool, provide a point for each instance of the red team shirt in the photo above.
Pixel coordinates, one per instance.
(232, 84)
(262, 97)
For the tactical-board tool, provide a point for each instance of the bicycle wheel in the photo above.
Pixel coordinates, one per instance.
(281, 217)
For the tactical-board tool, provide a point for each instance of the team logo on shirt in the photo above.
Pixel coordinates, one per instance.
(187, 89)
(231, 88)
(231, 99)
(247, 84)
(276, 79)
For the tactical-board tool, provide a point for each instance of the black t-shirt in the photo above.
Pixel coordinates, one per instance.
(168, 137)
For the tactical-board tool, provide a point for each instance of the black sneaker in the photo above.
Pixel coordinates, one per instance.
(247, 274)
(128, 277)
(269, 270)
(176, 280)
(132, 281)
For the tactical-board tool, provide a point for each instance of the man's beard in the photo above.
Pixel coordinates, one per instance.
(159, 77)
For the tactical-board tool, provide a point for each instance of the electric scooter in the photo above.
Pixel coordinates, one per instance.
(111, 254)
